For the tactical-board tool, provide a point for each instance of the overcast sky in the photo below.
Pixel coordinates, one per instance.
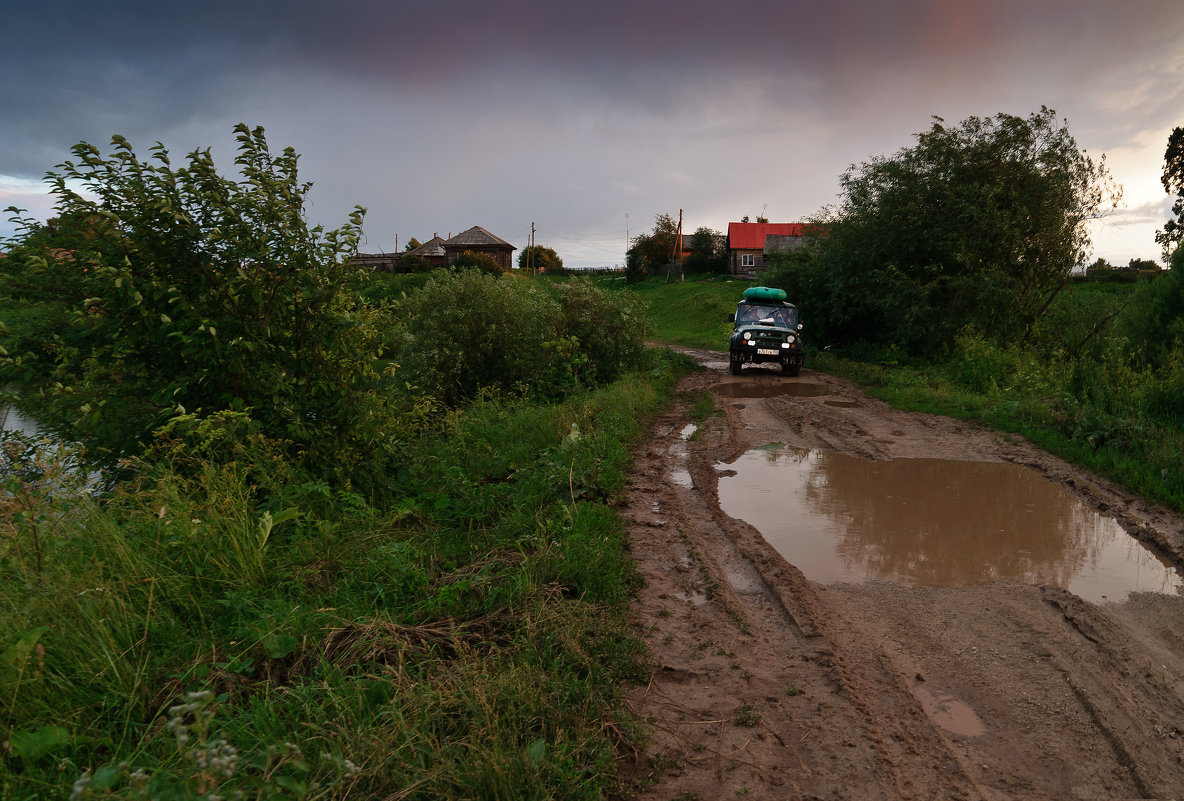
(587, 117)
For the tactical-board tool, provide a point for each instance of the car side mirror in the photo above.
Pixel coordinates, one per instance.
(732, 317)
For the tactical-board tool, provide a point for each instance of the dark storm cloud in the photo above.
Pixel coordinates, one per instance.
(426, 112)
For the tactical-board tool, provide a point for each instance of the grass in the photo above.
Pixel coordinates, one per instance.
(185, 640)
(693, 313)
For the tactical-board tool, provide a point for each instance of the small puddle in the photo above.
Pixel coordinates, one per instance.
(948, 712)
(772, 387)
(843, 404)
(678, 455)
(932, 522)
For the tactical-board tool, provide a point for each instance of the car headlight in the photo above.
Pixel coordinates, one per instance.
(747, 335)
(789, 340)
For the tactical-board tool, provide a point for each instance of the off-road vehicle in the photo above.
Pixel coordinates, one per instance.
(766, 330)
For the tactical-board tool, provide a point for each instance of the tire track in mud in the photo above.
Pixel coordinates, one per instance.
(764, 683)
(754, 643)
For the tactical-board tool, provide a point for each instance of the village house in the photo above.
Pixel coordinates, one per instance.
(478, 240)
(749, 245)
(431, 251)
(440, 252)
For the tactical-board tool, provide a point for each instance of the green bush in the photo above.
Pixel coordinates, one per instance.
(610, 328)
(1153, 324)
(470, 260)
(466, 331)
(177, 290)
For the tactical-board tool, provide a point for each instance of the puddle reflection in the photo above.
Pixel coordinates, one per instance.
(933, 522)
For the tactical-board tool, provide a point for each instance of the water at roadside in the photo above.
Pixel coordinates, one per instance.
(930, 522)
(12, 420)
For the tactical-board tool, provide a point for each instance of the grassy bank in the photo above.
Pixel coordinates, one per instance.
(467, 641)
(693, 313)
(438, 613)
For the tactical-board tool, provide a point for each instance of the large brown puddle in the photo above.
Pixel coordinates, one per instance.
(930, 522)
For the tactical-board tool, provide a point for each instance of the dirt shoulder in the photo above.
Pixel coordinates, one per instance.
(767, 685)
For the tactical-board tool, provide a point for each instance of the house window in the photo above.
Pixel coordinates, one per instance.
(747, 260)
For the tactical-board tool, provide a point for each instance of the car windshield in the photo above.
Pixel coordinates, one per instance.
(784, 316)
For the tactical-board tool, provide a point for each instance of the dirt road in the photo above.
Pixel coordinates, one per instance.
(768, 685)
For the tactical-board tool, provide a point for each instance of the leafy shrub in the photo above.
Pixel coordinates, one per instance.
(1154, 322)
(466, 330)
(413, 263)
(979, 365)
(1163, 398)
(183, 290)
(470, 260)
(610, 327)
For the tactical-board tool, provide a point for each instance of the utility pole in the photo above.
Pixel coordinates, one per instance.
(626, 241)
(530, 267)
(681, 277)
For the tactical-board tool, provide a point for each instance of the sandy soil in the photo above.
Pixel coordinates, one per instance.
(766, 685)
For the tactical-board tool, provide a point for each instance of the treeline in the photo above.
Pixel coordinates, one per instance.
(350, 538)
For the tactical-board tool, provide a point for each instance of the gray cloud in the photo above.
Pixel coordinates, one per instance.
(453, 113)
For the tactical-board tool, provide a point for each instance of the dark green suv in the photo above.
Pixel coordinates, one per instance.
(766, 330)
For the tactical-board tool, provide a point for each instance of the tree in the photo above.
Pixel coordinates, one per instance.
(540, 259)
(1173, 181)
(655, 249)
(412, 244)
(978, 224)
(182, 292)
(707, 252)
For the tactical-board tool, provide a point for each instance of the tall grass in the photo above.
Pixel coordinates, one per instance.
(212, 630)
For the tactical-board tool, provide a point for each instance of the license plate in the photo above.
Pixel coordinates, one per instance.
(767, 352)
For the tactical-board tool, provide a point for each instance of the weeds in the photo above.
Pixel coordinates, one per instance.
(747, 715)
(466, 639)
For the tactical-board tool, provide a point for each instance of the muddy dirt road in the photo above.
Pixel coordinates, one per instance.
(767, 684)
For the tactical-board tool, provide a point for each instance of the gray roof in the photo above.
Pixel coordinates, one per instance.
(477, 237)
(433, 247)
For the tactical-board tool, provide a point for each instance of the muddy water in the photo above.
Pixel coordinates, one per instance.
(771, 386)
(930, 522)
(678, 458)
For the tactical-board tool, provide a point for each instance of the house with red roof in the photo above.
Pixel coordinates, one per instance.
(749, 244)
